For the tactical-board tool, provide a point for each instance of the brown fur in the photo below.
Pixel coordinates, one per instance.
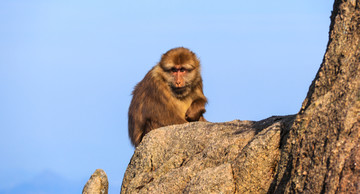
(158, 100)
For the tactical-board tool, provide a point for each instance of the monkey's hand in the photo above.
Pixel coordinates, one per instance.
(195, 111)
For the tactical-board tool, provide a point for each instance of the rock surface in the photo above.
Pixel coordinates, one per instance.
(315, 151)
(204, 157)
(322, 151)
(97, 184)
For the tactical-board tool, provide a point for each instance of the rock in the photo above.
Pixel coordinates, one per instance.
(323, 142)
(315, 151)
(205, 157)
(254, 168)
(97, 184)
(213, 180)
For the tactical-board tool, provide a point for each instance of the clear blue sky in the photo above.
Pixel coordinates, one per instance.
(67, 69)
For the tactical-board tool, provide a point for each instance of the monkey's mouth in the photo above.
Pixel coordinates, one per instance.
(179, 90)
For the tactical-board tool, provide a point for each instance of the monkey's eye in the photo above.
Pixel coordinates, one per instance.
(182, 69)
(173, 69)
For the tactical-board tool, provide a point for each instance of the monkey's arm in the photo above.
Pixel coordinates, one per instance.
(196, 110)
(202, 119)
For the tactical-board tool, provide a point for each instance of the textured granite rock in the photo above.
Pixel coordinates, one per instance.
(207, 157)
(97, 184)
(322, 150)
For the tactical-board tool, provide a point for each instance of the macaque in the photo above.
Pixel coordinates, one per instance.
(170, 93)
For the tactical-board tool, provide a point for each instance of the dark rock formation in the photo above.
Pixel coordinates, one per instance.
(97, 184)
(315, 151)
(322, 150)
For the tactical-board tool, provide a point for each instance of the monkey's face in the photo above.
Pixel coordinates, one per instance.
(180, 69)
(180, 78)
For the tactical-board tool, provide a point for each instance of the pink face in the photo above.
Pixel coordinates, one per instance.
(179, 73)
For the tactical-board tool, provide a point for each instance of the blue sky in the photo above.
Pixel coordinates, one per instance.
(67, 69)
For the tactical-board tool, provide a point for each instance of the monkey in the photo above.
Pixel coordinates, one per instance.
(170, 93)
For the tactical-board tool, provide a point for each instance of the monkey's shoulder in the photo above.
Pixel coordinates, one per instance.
(151, 88)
